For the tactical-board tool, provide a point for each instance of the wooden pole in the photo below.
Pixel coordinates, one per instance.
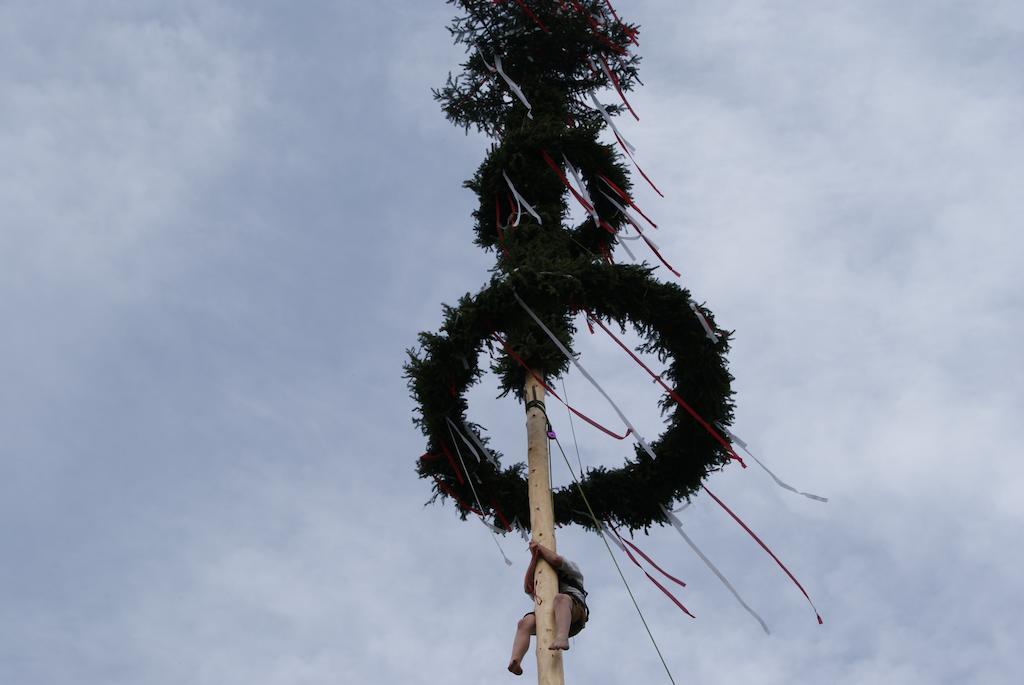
(542, 524)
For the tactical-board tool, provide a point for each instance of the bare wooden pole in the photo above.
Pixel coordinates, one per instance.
(542, 524)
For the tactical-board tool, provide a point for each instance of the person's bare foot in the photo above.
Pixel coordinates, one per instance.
(515, 668)
(562, 645)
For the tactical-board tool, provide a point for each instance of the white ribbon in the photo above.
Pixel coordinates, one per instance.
(453, 427)
(508, 562)
(712, 336)
(626, 247)
(614, 82)
(786, 486)
(582, 190)
(511, 85)
(494, 528)
(611, 125)
(629, 219)
(475, 497)
(522, 531)
(570, 357)
(520, 201)
(484, 60)
(621, 208)
(632, 221)
(480, 445)
(677, 524)
(610, 536)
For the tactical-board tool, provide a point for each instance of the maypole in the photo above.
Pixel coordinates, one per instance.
(533, 81)
(542, 527)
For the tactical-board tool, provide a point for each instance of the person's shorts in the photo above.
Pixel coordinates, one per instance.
(579, 616)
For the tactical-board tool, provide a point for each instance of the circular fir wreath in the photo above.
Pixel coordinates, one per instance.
(447, 365)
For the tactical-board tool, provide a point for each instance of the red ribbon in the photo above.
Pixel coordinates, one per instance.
(501, 517)
(629, 30)
(551, 390)
(565, 181)
(497, 224)
(458, 500)
(765, 548)
(596, 28)
(625, 198)
(625, 149)
(451, 460)
(582, 200)
(658, 255)
(513, 208)
(533, 16)
(652, 578)
(618, 89)
(651, 562)
(679, 400)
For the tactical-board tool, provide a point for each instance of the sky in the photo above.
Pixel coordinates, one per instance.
(223, 223)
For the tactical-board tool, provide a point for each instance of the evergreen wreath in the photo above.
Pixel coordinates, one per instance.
(532, 66)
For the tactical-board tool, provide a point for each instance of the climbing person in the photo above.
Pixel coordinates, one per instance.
(570, 605)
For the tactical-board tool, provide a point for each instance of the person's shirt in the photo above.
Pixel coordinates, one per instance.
(570, 581)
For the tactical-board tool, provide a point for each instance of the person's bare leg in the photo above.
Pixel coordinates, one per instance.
(563, 617)
(526, 627)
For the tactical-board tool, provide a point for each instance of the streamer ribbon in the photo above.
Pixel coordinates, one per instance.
(480, 445)
(476, 447)
(651, 578)
(551, 391)
(454, 430)
(522, 531)
(765, 548)
(444, 487)
(584, 199)
(614, 538)
(476, 498)
(615, 82)
(579, 198)
(520, 202)
(672, 393)
(582, 190)
(596, 28)
(626, 145)
(652, 563)
(451, 462)
(536, 19)
(629, 32)
(514, 87)
(640, 233)
(677, 524)
(786, 486)
(626, 248)
(712, 336)
(626, 198)
(586, 374)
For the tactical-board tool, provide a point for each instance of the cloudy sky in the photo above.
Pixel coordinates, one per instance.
(222, 223)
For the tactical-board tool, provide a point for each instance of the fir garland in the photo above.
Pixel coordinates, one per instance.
(552, 50)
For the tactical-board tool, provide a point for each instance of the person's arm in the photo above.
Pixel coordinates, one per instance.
(546, 554)
(530, 571)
